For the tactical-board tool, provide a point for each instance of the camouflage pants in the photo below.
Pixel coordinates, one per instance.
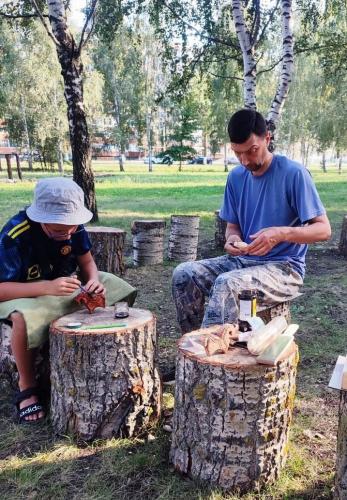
(220, 279)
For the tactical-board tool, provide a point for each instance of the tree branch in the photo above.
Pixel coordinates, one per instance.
(202, 35)
(40, 15)
(263, 31)
(226, 77)
(90, 16)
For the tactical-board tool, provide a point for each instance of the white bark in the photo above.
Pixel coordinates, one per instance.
(287, 64)
(249, 64)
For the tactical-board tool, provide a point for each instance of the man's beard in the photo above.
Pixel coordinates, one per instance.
(254, 167)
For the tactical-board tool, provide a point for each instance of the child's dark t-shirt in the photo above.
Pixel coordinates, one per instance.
(27, 253)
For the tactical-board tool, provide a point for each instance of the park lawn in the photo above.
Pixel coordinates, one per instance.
(36, 464)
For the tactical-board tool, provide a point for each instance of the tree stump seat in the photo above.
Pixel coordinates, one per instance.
(231, 416)
(340, 492)
(104, 381)
(148, 242)
(8, 368)
(184, 237)
(108, 248)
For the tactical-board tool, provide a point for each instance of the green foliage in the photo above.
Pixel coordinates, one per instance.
(31, 95)
(180, 152)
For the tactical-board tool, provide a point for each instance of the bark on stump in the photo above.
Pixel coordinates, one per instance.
(148, 242)
(184, 236)
(232, 417)
(105, 382)
(8, 367)
(108, 247)
(281, 309)
(220, 228)
(341, 454)
(343, 237)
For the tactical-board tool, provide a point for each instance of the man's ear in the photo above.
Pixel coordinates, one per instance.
(268, 137)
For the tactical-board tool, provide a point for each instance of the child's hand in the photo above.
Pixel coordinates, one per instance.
(94, 286)
(63, 286)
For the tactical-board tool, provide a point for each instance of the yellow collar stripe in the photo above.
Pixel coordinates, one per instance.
(18, 226)
(20, 231)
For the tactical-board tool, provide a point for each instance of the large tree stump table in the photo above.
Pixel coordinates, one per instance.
(105, 382)
(231, 417)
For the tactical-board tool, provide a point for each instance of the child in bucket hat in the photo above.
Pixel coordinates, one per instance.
(40, 250)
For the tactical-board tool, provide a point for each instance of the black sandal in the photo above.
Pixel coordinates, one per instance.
(31, 409)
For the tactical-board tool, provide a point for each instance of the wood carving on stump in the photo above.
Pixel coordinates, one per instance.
(184, 236)
(220, 228)
(108, 248)
(232, 416)
(343, 237)
(105, 381)
(341, 453)
(148, 241)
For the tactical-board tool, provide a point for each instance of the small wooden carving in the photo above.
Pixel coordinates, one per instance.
(220, 339)
(90, 300)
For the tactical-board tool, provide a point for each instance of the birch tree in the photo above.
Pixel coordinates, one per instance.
(69, 56)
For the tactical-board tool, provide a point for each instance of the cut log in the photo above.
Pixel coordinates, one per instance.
(184, 236)
(341, 453)
(104, 381)
(220, 228)
(108, 248)
(232, 416)
(8, 367)
(268, 313)
(148, 242)
(343, 237)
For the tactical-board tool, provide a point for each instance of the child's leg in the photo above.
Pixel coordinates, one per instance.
(24, 360)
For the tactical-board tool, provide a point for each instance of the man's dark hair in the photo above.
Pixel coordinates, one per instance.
(245, 122)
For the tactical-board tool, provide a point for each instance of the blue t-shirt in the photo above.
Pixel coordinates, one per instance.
(27, 253)
(284, 195)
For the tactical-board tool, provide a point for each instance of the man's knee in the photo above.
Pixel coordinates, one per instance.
(226, 281)
(182, 273)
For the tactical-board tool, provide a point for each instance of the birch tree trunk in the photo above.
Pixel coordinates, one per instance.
(249, 63)
(26, 133)
(69, 56)
(287, 66)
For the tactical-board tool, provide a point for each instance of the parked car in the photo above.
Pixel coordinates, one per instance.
(201, 160)
(160, 160)
(231, 160)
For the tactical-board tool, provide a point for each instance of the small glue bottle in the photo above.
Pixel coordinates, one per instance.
(247, 304)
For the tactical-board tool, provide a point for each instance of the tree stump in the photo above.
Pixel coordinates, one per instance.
(148, 241)
(341, 453)
(8, 366)
(268, 313)
(231, 417)
(220, 228)
(343, 237)
(105, 381)
(184, 236)
(108, 248)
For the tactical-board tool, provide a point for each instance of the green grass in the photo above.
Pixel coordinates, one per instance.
(36, 464)
(136, 193)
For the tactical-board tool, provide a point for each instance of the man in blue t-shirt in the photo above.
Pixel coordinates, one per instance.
(273, 211)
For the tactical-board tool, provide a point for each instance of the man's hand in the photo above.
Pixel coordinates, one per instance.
(231, 249)
(94, 286)
(264, 241)
(63, 286)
